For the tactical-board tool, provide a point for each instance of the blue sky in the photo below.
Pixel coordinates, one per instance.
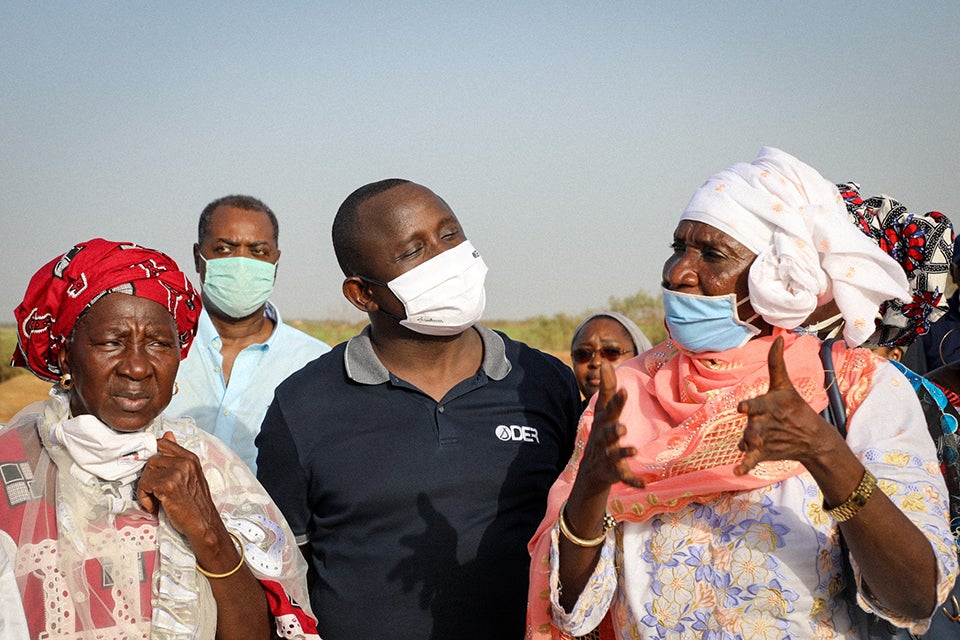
(567, 137)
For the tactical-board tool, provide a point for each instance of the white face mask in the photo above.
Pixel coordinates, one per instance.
(102, 451)
(443, 296)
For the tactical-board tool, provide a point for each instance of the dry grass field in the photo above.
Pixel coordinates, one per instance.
(552, 334)
(19, 391)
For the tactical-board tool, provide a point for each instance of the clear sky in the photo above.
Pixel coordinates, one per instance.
(566, 136)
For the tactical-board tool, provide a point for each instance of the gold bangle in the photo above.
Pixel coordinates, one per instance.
(607, 524)
(855, 502)
(239, 544)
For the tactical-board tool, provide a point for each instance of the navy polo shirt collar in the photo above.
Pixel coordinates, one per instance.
(364, 366)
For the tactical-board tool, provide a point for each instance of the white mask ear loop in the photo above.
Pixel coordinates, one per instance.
(749, 320)
(829, 323)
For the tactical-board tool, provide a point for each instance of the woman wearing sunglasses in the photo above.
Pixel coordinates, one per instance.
(609, 336)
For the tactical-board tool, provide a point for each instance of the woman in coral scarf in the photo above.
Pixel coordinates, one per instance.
(706, 496)
(116, 521)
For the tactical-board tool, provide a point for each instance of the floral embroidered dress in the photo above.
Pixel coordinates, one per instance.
(90, 563)
(756, 561)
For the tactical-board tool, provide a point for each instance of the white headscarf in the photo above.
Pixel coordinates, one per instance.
(640, 341)
(808, 253)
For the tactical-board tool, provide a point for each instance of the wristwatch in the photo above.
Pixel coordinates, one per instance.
(857, 499)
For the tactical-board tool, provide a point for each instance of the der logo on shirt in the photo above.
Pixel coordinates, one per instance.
(517, 433)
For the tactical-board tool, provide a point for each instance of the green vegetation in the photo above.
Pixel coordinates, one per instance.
(549, 333)
(330, 331)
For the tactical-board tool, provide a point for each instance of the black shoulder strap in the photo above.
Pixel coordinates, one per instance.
(836, 412)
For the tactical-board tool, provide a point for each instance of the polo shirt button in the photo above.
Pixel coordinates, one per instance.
(440, 409)
(226, 412)
(217, 369)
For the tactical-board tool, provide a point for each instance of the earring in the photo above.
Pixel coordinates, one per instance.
(66, 382)
(176, 388)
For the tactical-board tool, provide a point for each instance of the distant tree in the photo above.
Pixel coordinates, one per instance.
(554, 333)
(645, 310)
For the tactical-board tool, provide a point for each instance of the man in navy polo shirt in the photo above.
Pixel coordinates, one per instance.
(414, 461)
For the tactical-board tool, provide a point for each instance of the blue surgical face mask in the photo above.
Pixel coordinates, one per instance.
(238, 286)
(706, 323)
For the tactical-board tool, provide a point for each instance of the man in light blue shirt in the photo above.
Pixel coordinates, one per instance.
(243, 350)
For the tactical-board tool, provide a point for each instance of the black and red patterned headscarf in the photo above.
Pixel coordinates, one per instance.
(64, 288)
(923, 246)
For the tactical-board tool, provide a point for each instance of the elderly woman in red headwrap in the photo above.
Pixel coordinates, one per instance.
(118, 522)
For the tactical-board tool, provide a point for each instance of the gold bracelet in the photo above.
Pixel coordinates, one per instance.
(239, 544)
(855, 502)
(607, 524)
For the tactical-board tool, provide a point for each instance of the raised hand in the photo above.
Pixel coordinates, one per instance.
(780, 423)
(173, 479)
(605, 462)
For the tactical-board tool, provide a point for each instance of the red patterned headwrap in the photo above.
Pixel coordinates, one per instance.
(923, 246)
(64, 288)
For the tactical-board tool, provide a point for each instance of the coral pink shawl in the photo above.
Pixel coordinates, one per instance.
(681, 415)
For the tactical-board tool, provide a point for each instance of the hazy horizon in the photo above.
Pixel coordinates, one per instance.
(567, 138)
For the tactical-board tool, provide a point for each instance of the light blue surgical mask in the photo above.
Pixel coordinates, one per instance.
(706, 323)
(238, 286)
